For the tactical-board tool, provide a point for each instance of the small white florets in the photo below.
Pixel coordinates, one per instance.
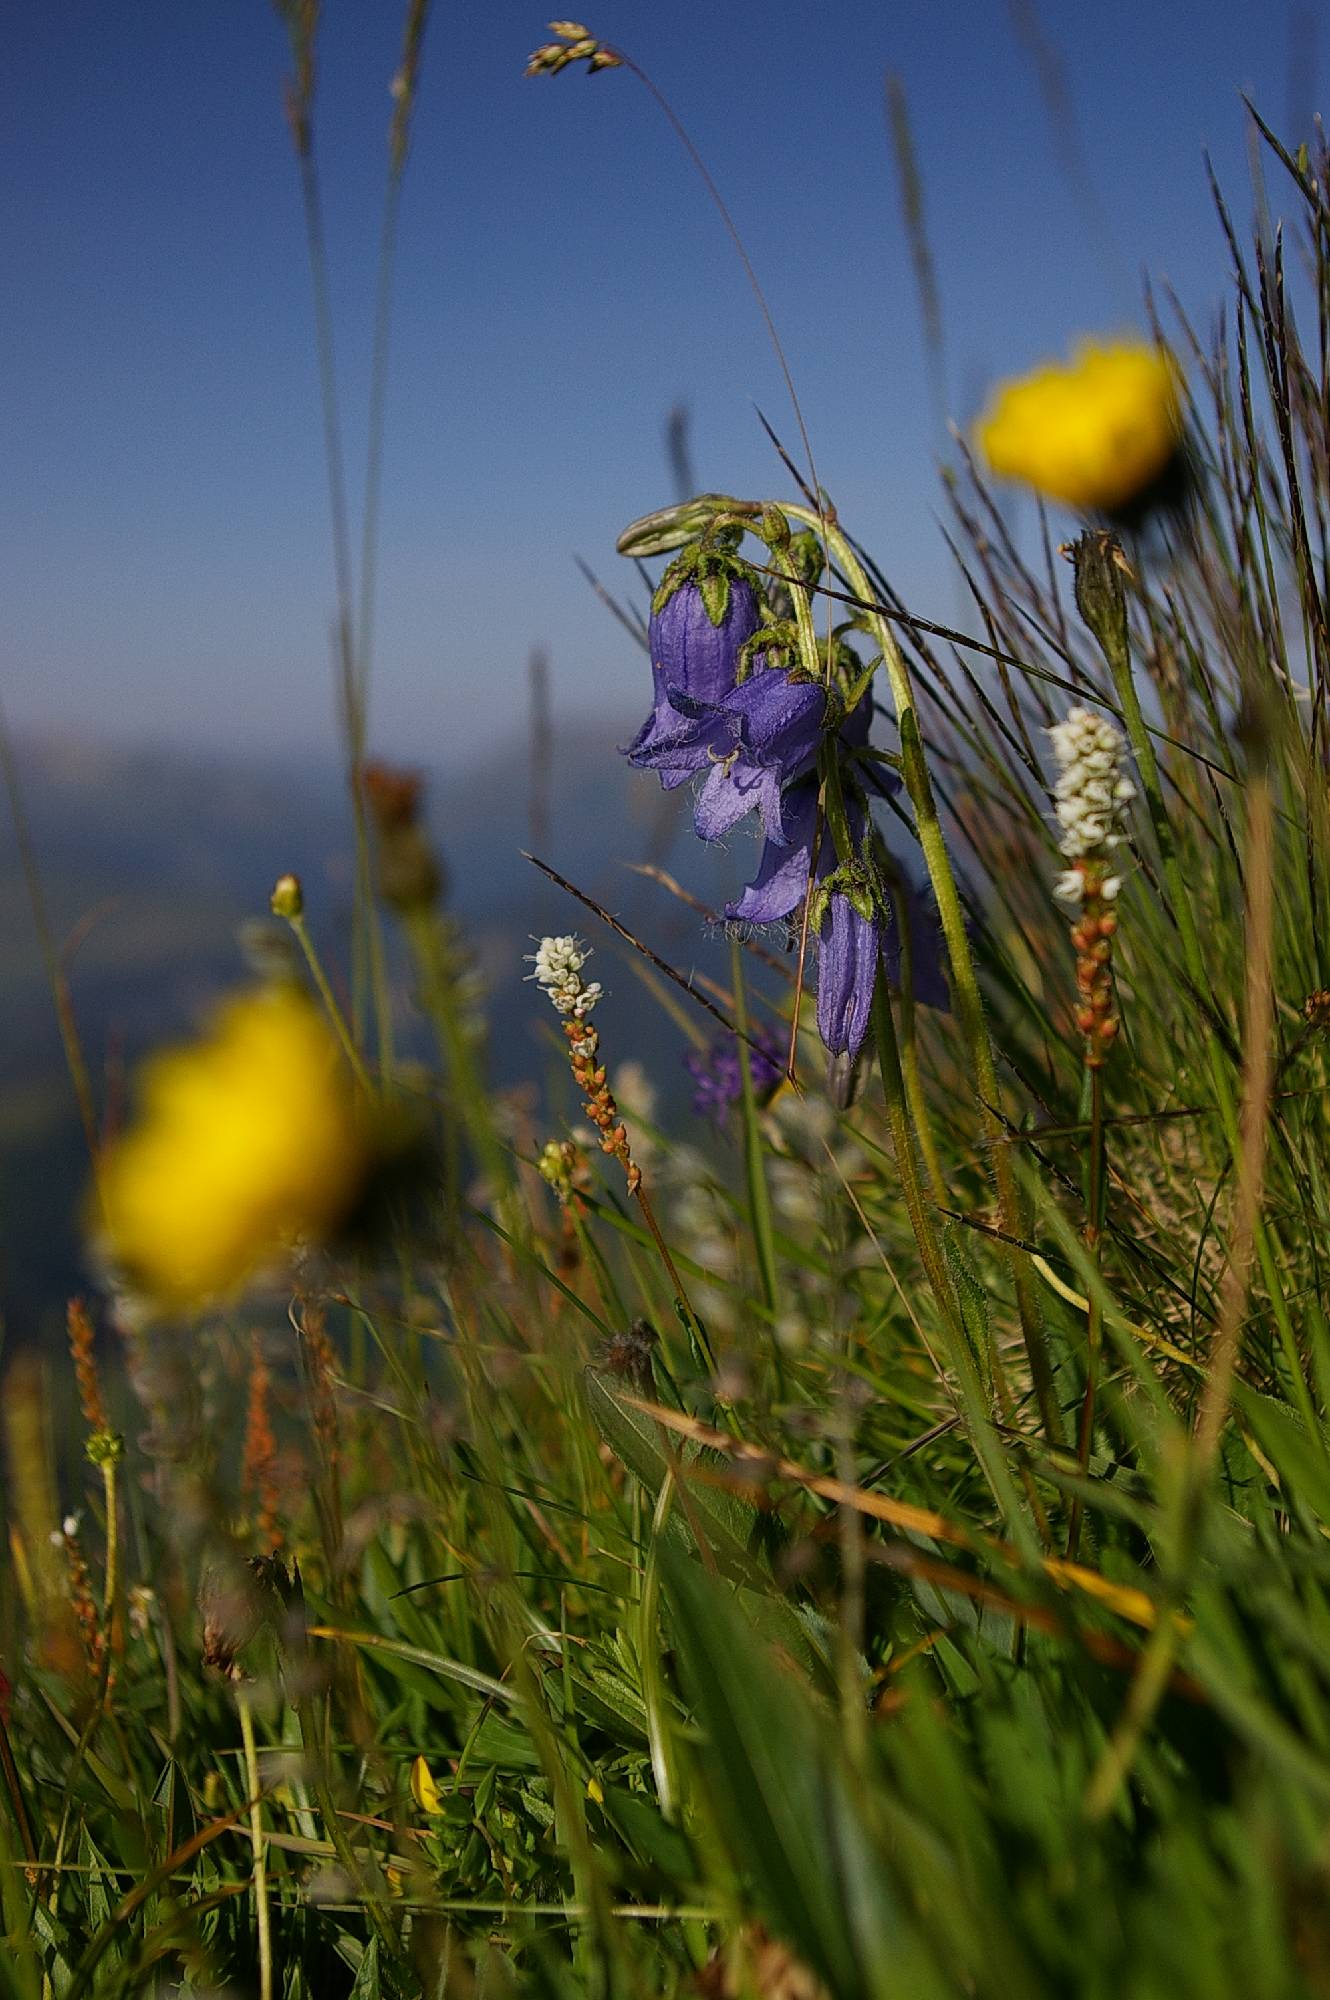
(558, 963)
(1091, 794)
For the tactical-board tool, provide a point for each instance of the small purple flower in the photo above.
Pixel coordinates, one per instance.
(717, 1077)
(691, 655)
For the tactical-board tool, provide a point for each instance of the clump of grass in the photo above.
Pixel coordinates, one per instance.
(892, 1563)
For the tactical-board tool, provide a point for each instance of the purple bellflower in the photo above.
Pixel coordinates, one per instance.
(693, 655)
(752, 745)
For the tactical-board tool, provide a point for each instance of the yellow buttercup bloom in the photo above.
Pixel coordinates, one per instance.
(244, 1141)
(1095, 434)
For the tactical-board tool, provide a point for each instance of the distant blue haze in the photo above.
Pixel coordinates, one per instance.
(563, 282)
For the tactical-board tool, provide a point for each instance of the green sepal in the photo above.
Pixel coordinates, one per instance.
(714, 588)
(710, 565)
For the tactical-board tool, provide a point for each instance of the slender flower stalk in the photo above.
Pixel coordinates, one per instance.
(288, 902)
(1092, 795)
(258, 1841)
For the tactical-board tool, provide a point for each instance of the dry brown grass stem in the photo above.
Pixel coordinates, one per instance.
(1133, 1605)
(83, 1349)
(259, 1459)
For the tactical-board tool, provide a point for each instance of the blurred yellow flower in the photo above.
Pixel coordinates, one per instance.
(1096, 434)
(244, 1141)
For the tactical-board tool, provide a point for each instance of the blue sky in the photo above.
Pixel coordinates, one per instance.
(562, 282)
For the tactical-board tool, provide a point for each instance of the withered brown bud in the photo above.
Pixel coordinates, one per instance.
(628, 1354)
(410, 877)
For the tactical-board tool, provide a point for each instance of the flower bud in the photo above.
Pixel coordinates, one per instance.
(671, 528)
(1100, 567)
(774, 528)
(288, 898)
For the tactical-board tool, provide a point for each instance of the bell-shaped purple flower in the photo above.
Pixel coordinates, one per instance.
(778, 887)
(692, 655)
(762, 738)
(849, 947)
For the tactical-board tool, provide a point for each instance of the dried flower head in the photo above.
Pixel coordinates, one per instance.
(574, 45)
(410, 876)
(628, 1353)
(1098, 433)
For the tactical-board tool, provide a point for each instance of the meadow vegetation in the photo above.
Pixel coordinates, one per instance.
(876, 1546)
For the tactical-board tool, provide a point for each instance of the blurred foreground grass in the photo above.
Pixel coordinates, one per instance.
(546, 1590)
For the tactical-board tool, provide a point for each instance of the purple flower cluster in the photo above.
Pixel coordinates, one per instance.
(720, 708)
(751, 736)
(718, 1079)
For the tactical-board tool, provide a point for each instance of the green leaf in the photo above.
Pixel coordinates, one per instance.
(779, 1793)
(650, 1835)
(102, 1893)
(1298, 1456)
(728, 1525)
(366, 1985)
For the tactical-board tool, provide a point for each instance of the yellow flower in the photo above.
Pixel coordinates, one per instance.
(244, 1141)
(424, 1790)
(1096, 434)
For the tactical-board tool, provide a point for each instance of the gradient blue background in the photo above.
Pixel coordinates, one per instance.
(563, 281)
